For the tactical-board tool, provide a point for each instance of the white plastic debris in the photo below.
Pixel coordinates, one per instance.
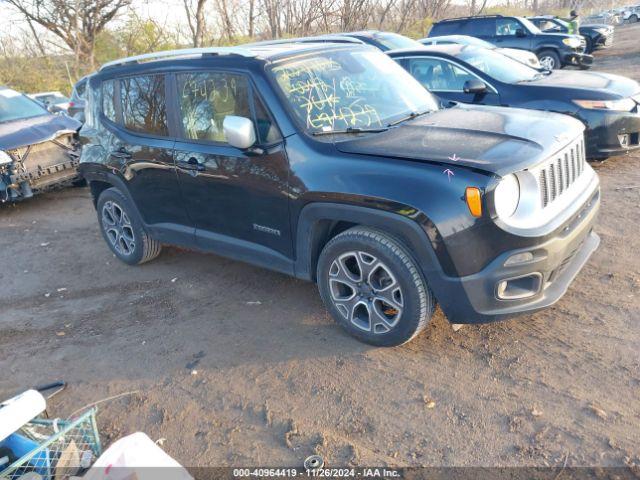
(17, 411)
(135, 457)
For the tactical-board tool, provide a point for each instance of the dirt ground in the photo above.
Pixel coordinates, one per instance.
(234, 365)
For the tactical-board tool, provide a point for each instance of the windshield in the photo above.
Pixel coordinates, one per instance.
(529, 25)
(498, 66)
(561, 22)
(15, 106)
(343, 89)
(393, 41)
(52, 99)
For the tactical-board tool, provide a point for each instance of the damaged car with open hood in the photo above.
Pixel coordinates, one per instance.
(331, 163)
(38, 150)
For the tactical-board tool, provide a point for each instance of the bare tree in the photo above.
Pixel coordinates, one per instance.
(76, 22)
(196, 20)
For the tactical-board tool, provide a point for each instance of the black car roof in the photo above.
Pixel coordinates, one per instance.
(266, 52)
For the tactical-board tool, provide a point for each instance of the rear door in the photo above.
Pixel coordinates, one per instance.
(237, 198)
(134, 109)
(446, 79)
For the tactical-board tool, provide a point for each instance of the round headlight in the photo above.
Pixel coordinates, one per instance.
(507, 196)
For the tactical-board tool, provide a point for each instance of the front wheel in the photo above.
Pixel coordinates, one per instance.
(123, 230)
(373, 288)
(549, 60)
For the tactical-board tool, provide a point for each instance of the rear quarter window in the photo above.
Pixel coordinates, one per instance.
(144, 104)
(445, 28)
(108, 100)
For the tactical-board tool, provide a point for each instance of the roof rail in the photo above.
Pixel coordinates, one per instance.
(471, 16)
(182, 53)
(335, 38)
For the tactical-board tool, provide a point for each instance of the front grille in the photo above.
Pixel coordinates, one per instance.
(560, 172)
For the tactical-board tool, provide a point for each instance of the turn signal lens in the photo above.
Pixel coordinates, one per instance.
(474, 201)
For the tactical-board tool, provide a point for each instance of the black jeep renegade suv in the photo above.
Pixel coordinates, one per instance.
(331, 163)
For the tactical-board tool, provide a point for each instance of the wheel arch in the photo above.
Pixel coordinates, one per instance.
(319, 222)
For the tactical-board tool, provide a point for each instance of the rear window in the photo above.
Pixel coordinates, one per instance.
(144, 104)
(79, 89)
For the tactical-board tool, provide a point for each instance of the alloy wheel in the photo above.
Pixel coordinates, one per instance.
(118, 228)
(548, 63)
(365, 292)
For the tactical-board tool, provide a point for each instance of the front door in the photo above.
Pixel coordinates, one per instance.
(237, 199)
(447, 79)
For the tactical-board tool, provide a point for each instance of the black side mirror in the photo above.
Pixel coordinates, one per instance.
(520, 33)
(474, 86)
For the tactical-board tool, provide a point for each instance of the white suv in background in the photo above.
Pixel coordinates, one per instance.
(631, 14)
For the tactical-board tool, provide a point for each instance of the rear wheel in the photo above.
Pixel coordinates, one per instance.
(634, 19)
(373, 288)
(122, 229)
(549, 59)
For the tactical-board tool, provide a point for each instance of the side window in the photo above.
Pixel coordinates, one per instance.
(507, 26)
(207, 98)
(481, 27)
(439, 75)
(108, 98)
(144, 105)
(267, 130)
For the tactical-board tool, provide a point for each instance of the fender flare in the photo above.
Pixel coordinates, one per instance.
(310, 232)
(105, 176)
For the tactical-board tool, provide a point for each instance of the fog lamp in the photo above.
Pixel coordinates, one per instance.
(624, 140)
(520, 287)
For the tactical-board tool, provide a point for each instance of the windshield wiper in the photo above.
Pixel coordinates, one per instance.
(350, 130)
(411, 116)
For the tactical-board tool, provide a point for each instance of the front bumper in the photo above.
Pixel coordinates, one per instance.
(474, 298)
(610, 133)
(577, 58)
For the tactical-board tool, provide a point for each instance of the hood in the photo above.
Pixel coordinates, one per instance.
(20, 133)
(594, 26)
(559, 36)
(594, 82)
(494, 139)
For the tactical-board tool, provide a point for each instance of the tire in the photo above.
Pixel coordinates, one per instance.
(127, 237)
(589, 48)
(551, 58)
(393, 303)
(634, 19)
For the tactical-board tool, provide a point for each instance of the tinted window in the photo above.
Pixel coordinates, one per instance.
(445, 28)
(392, 41)
(507, 26)
(108, 98)
(80, 88)
(483, 27)
(143, 104)
(267, 130)
(207, 98)
(439, 75)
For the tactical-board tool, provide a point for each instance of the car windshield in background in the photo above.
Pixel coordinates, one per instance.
(350, 89)
(498, 66)
(530, 26)
(52, 99)
(394, 41)
(15, 106)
